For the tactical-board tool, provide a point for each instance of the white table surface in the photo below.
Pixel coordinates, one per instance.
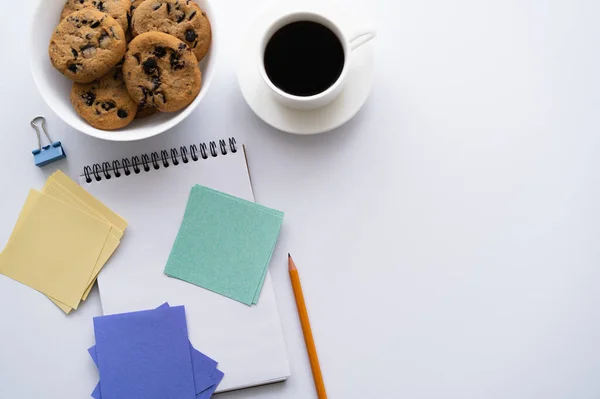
(447, 236)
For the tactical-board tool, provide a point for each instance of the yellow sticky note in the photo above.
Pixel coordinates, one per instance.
(112, 241)
(88, 199)
(109, 248)
(55, 190)
(110, 245)
(29, 204)
(65, 308)
(54, 248)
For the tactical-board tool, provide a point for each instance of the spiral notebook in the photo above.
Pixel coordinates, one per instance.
(150, 191)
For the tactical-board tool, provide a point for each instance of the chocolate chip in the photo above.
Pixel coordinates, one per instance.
(88, 51)
(157, 6)
(122, 114)
(160, 51)
(104, 40)
(195, 44)
(164, 98)
(97, 112)
(192, 15)
(180, 17)
(89, 98)
(88, 36)
(156, 82)
(75, 54)
(108, 105)
(176, 64)
(95, 24)
(114, 34)
(100, 5)
(174, 59)
(182, 46)
(190, 35)
(169, 8)
(84, 21)
(73, 67)
(150, 66)
(148, 93)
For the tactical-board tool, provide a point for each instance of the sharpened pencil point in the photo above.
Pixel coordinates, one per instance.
(291, 264)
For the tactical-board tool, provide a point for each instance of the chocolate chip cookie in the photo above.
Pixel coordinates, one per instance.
(180, 18)
(161, 71)
(132, 6)
(104, 103)
(135, 4)
(145, 112)
(118, 9)
(86, 45)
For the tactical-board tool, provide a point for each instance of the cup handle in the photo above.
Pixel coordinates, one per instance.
(361, 38)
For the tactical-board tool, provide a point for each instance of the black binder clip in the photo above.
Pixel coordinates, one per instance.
(48, 153)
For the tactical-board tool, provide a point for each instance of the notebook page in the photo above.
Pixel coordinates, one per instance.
(247, 341)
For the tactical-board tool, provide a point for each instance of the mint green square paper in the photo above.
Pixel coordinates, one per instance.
(224, 244)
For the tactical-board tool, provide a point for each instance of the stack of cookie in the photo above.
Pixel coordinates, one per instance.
(130, 59)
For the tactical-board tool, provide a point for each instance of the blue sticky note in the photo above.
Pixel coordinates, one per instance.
(144, 355)
(97, 394)
(216, 378)
(202, 365)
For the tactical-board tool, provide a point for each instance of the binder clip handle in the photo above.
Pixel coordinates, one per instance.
(49, 153)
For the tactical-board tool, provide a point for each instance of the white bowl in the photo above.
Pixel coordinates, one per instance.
(56, 88)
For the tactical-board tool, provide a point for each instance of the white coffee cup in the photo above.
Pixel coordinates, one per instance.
(349, 43)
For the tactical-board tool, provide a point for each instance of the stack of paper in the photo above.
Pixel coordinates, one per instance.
(62, 239)
(147, 355)
(224, 244)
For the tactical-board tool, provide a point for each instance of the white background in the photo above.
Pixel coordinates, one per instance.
(447, 237)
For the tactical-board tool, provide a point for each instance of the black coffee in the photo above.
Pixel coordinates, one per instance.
(304, 58)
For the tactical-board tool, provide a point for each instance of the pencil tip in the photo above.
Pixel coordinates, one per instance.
(291, 264)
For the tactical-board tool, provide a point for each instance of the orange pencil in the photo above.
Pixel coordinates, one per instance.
(308, 337)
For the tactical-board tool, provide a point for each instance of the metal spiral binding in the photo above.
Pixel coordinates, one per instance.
(156, 160)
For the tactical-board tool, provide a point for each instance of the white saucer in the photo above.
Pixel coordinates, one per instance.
(262, 102)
